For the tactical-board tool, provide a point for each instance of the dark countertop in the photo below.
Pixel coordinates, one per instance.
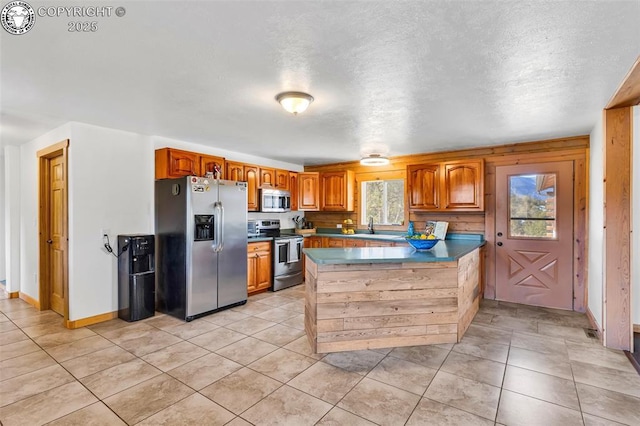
(451, 249)
(258, 239)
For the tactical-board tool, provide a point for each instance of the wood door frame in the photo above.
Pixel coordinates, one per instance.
(617, 324)
(44, 156)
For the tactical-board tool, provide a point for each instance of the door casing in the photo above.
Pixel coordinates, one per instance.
(44, 270)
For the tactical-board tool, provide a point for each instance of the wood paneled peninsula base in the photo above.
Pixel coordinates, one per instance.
(367, 298)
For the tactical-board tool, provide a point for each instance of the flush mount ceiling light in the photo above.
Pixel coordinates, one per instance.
(294, 102)
(374, 160)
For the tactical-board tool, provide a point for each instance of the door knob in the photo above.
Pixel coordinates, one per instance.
(49, 241)
(499, 243)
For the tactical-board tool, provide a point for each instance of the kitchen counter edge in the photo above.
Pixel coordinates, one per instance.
(449, 250)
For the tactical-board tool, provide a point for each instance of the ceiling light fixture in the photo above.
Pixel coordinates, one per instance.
(374, 160)
(294, 102)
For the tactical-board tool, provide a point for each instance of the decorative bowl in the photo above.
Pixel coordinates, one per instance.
(421, 244)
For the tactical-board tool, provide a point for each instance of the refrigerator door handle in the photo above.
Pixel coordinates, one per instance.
(218, 215)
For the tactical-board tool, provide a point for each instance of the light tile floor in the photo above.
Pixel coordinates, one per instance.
(517, 365)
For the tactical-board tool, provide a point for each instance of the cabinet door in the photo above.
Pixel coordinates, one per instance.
(235, 171)
(308, 191)
(282, 179)
(335, 242)
(267, 177)
(352, 242)
(251, 177)
(174, 163)
(263, 279)
(380, 244)
(313, 242)
(423, 190)
(210, 163)
(337, 191)
(293, 188)
(252, 272)
(464, 185)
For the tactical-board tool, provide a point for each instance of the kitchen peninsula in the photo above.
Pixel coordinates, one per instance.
(382, 297)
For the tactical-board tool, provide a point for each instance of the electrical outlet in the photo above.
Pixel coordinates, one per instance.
(339, 225)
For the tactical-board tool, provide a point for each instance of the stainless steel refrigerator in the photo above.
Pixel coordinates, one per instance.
(201, 245)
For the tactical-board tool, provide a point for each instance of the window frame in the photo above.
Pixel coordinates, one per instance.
(362, 222)
(510, 217)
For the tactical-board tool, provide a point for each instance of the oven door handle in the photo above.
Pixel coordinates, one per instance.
(292, 251)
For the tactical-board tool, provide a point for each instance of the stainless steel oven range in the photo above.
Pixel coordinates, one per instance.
(287, 254)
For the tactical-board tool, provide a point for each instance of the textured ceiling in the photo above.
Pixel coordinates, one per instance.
(405, 77)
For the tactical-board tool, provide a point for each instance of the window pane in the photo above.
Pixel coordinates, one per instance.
(384, 201)
(532, 206)
(374, 197)
(395, 201)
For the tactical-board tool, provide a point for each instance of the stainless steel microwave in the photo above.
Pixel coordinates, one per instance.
(275, 200)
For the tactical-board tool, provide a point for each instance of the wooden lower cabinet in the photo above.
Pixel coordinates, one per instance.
(354, 242)
(332, 242)
(258, 267)
(313, 242)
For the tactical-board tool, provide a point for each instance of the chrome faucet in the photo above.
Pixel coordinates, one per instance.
(370, 226)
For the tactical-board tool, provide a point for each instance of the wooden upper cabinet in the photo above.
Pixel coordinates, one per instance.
(309, 191)
(464, 185)
(209, 163)
(293, 187)
(267, 177)
(234, 171)
(175, 163)
(446, 186)
(424, 186)
(337, 191)
(282, 179)
(251, 176)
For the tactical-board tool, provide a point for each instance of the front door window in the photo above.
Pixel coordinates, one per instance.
(532, 206)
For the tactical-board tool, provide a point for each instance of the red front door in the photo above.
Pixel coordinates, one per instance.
(534, 234)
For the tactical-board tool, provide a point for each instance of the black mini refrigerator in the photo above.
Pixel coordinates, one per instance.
(136, 277)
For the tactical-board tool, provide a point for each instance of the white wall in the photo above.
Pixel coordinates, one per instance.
(12, 217)
(596, 221)
(111, 178)
(29, 207)
(111, 175)
(3, 269)
(635, 210)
